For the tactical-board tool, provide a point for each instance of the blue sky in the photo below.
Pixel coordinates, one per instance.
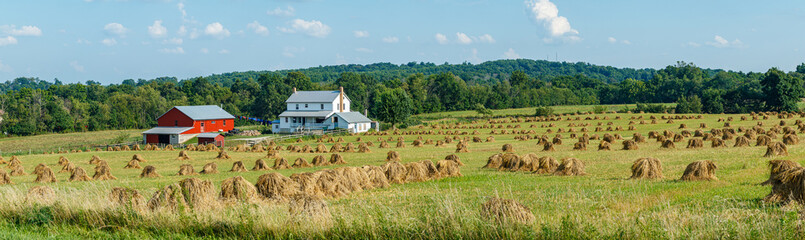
(108, 41)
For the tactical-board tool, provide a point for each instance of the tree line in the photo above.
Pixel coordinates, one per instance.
(32, 106)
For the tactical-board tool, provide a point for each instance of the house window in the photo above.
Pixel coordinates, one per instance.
(297, 106)
(305, 105)
(294, 120)
(342, 106)
(175, 122)
(322, 106)
(213, 122)
(335, 119)
(224, 122)
(286, 120)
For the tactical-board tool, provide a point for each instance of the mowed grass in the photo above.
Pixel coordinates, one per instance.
(527, 111)
(602, 204)
(55, 142)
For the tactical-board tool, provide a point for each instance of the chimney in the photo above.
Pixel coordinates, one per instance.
(294, 90)
(341, 99)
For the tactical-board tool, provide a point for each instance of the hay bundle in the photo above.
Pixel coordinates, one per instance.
(604, 145)
(307, 182)
(400, 144)
(790, 139)
(695, 143)
(186, 170)
(490, 139)
(2, 161)
(209, 168)
(126, 197)
(275, 186)
(507, 148)
(510, 162)
(320, 161)
(94, 159)
(363, 148)
(717, 142)
(579, 146)
(67, 167)
(781, 170)
(546, 165)
(5, 178)
(376, 176)
(668, 144)
(133, 164)
(321, 148)
(260, 165)
(763, 140)
(416, 172)
(279, 163)
(62, 160)
(45, 175)
(41, 194)
(548, 147)
(418, 143)
(238, 189)
(638, 138)
(137, 147)
(392, 156)
(570, 167)
(222, 155)
(336, 148)
(17, 170)
(238, 167)
(741, 141)
(448, 168)
(395, 172)
(355, 178)
(78, 174)
(494, 161)
(337, 159)
(301, 163)
(646, 168)
(630, 145)
(700, 170)
(462, 147)
(678, 138)
(506, 211)
(433, 172)
(307, 149)
(103, 172)
(169, 148)
(776, 149)
(150, 172)
(331, 183)
(385, 144)
(557, 140)
(454, 158)
(309, 210)
(183, 156)
(190, 193)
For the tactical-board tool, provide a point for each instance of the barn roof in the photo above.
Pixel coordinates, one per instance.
(208, 135)
(167, 130)
(353, 117)
(203, 112)
(314, 96)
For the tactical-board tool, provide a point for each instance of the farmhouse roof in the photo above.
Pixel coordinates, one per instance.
(208, 135)
(314, 96)
(353, 117)
(203, 112)
(167, 130)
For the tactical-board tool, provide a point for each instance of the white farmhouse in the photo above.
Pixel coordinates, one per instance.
(321, 110)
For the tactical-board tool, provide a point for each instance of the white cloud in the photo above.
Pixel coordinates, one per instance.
(486, 38)
(177, 41)
(474, 58)
(5, 68)
(180, 6)
(177, 50)
(259, 29)
(8, 40)
(510, 54)
(116, 29)
(545, 12)
(391, 39)
(312, 28)
(361, 34)
(182, 31)
(82, 41)
(287, 12)
(364, 50)
(463, 38)
(109, 41)
(223, 51)
(157, 30)
(77, 67)
(205, 50)
(22, 31)
(721, 42)
(217, 30)
(694, 44)
(292, 51)
(627, 42)
(441, 38)
(612, 40)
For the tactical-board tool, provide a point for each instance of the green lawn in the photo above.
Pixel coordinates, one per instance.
(602, 204)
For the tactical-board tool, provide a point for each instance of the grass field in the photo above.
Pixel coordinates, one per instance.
(602, 204)
(55, 142)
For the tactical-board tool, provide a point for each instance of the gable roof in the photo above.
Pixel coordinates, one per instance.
(353, 117)
(314, 96)
(208, 135)
(202, 112)
(167, 130)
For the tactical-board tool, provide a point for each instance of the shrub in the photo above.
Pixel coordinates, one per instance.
(543, 111)
(599, 109)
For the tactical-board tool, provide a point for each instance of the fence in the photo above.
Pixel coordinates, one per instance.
(252, 141)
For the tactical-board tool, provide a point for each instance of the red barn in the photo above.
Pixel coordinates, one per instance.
(214, 138)
(182, 123)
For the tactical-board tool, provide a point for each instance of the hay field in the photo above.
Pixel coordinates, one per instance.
(604, 203)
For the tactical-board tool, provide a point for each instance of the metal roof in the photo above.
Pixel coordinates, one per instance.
(322, 114)
(353, 117)
(314, 96)
(167, 130)
(203, 112)
(208, 135)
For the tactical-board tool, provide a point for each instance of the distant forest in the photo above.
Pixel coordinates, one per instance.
(33, 106)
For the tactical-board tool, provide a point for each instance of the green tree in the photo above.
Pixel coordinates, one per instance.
(482, 110)
(393, 106)
(782, 91)
(692, 104)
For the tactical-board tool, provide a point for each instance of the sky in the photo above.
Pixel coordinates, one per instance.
(112, 40)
